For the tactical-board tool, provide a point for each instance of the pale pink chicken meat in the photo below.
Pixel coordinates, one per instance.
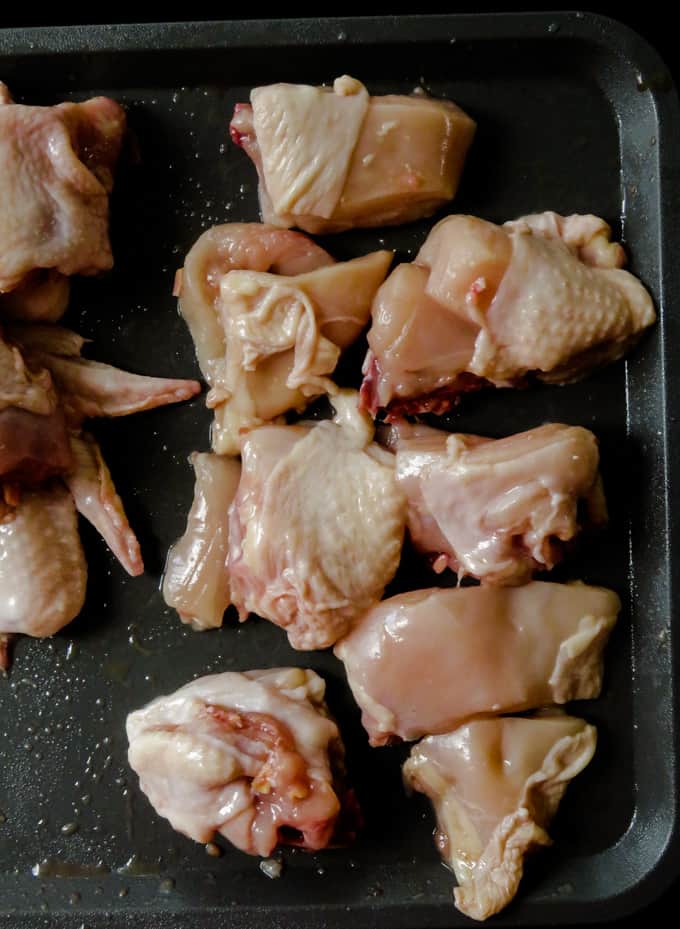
(422, 663)
(43, 574)
(253, 756)
(96, 499)
(496, 785)
(316, 526)
(487, 305)
(46, 392)
(270, 312)
(196, 580)
(88, 388)
(56, 173)
(498, 510)
(33, 436)
(334, 158)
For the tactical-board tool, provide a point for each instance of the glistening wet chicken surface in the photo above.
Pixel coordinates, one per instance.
(547, 139)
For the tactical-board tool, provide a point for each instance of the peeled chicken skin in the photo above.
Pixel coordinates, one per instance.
(43, 574)
(253, 756)
(544, 295)
(495, 785)
(330, 159)
(499, 509)
(56, 172)
(267, 342)
(316, 527)
(196, 581)
(422, 663)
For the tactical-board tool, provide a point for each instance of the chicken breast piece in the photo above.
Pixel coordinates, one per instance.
(498, 510)
(495, 785)
(56, 172)
(330, 159)
(43, 574)
(422, 663)
(253, 756)
(196, 580)
(543, 296)
(316, 526)
(269, 313)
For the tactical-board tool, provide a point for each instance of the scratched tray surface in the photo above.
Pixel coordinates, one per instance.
(576, 115)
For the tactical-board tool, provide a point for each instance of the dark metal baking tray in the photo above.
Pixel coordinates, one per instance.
(577, 114)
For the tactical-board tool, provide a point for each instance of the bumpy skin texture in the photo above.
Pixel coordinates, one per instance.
(498, 510)
(424, 662)
(56, 173)
(330, 159)
(495, 785)
(489, 305)
(316, 527)
(252, 755)
(196, 580)
(42, 567)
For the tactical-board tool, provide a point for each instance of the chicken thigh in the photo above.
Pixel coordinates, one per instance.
(56, 173)
(495, 785)
(254, 756)
(269, 312)
(421, 663)
(333, 158)
(316, 526)
(488, 305)
(498, 510)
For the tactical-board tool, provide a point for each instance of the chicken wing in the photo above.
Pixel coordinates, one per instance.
(56, 173)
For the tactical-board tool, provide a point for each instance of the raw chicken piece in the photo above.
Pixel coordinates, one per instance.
(56, 172)
(88, 388)
(252, 755)
(496, 785)
(95, 497)
(330, 159)
(266, 342)
(42, 567)
(196, 581)
(316, 526)
(498, 510)
(421, 663)
(42, 296)
(33, 438)
(488, 305)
